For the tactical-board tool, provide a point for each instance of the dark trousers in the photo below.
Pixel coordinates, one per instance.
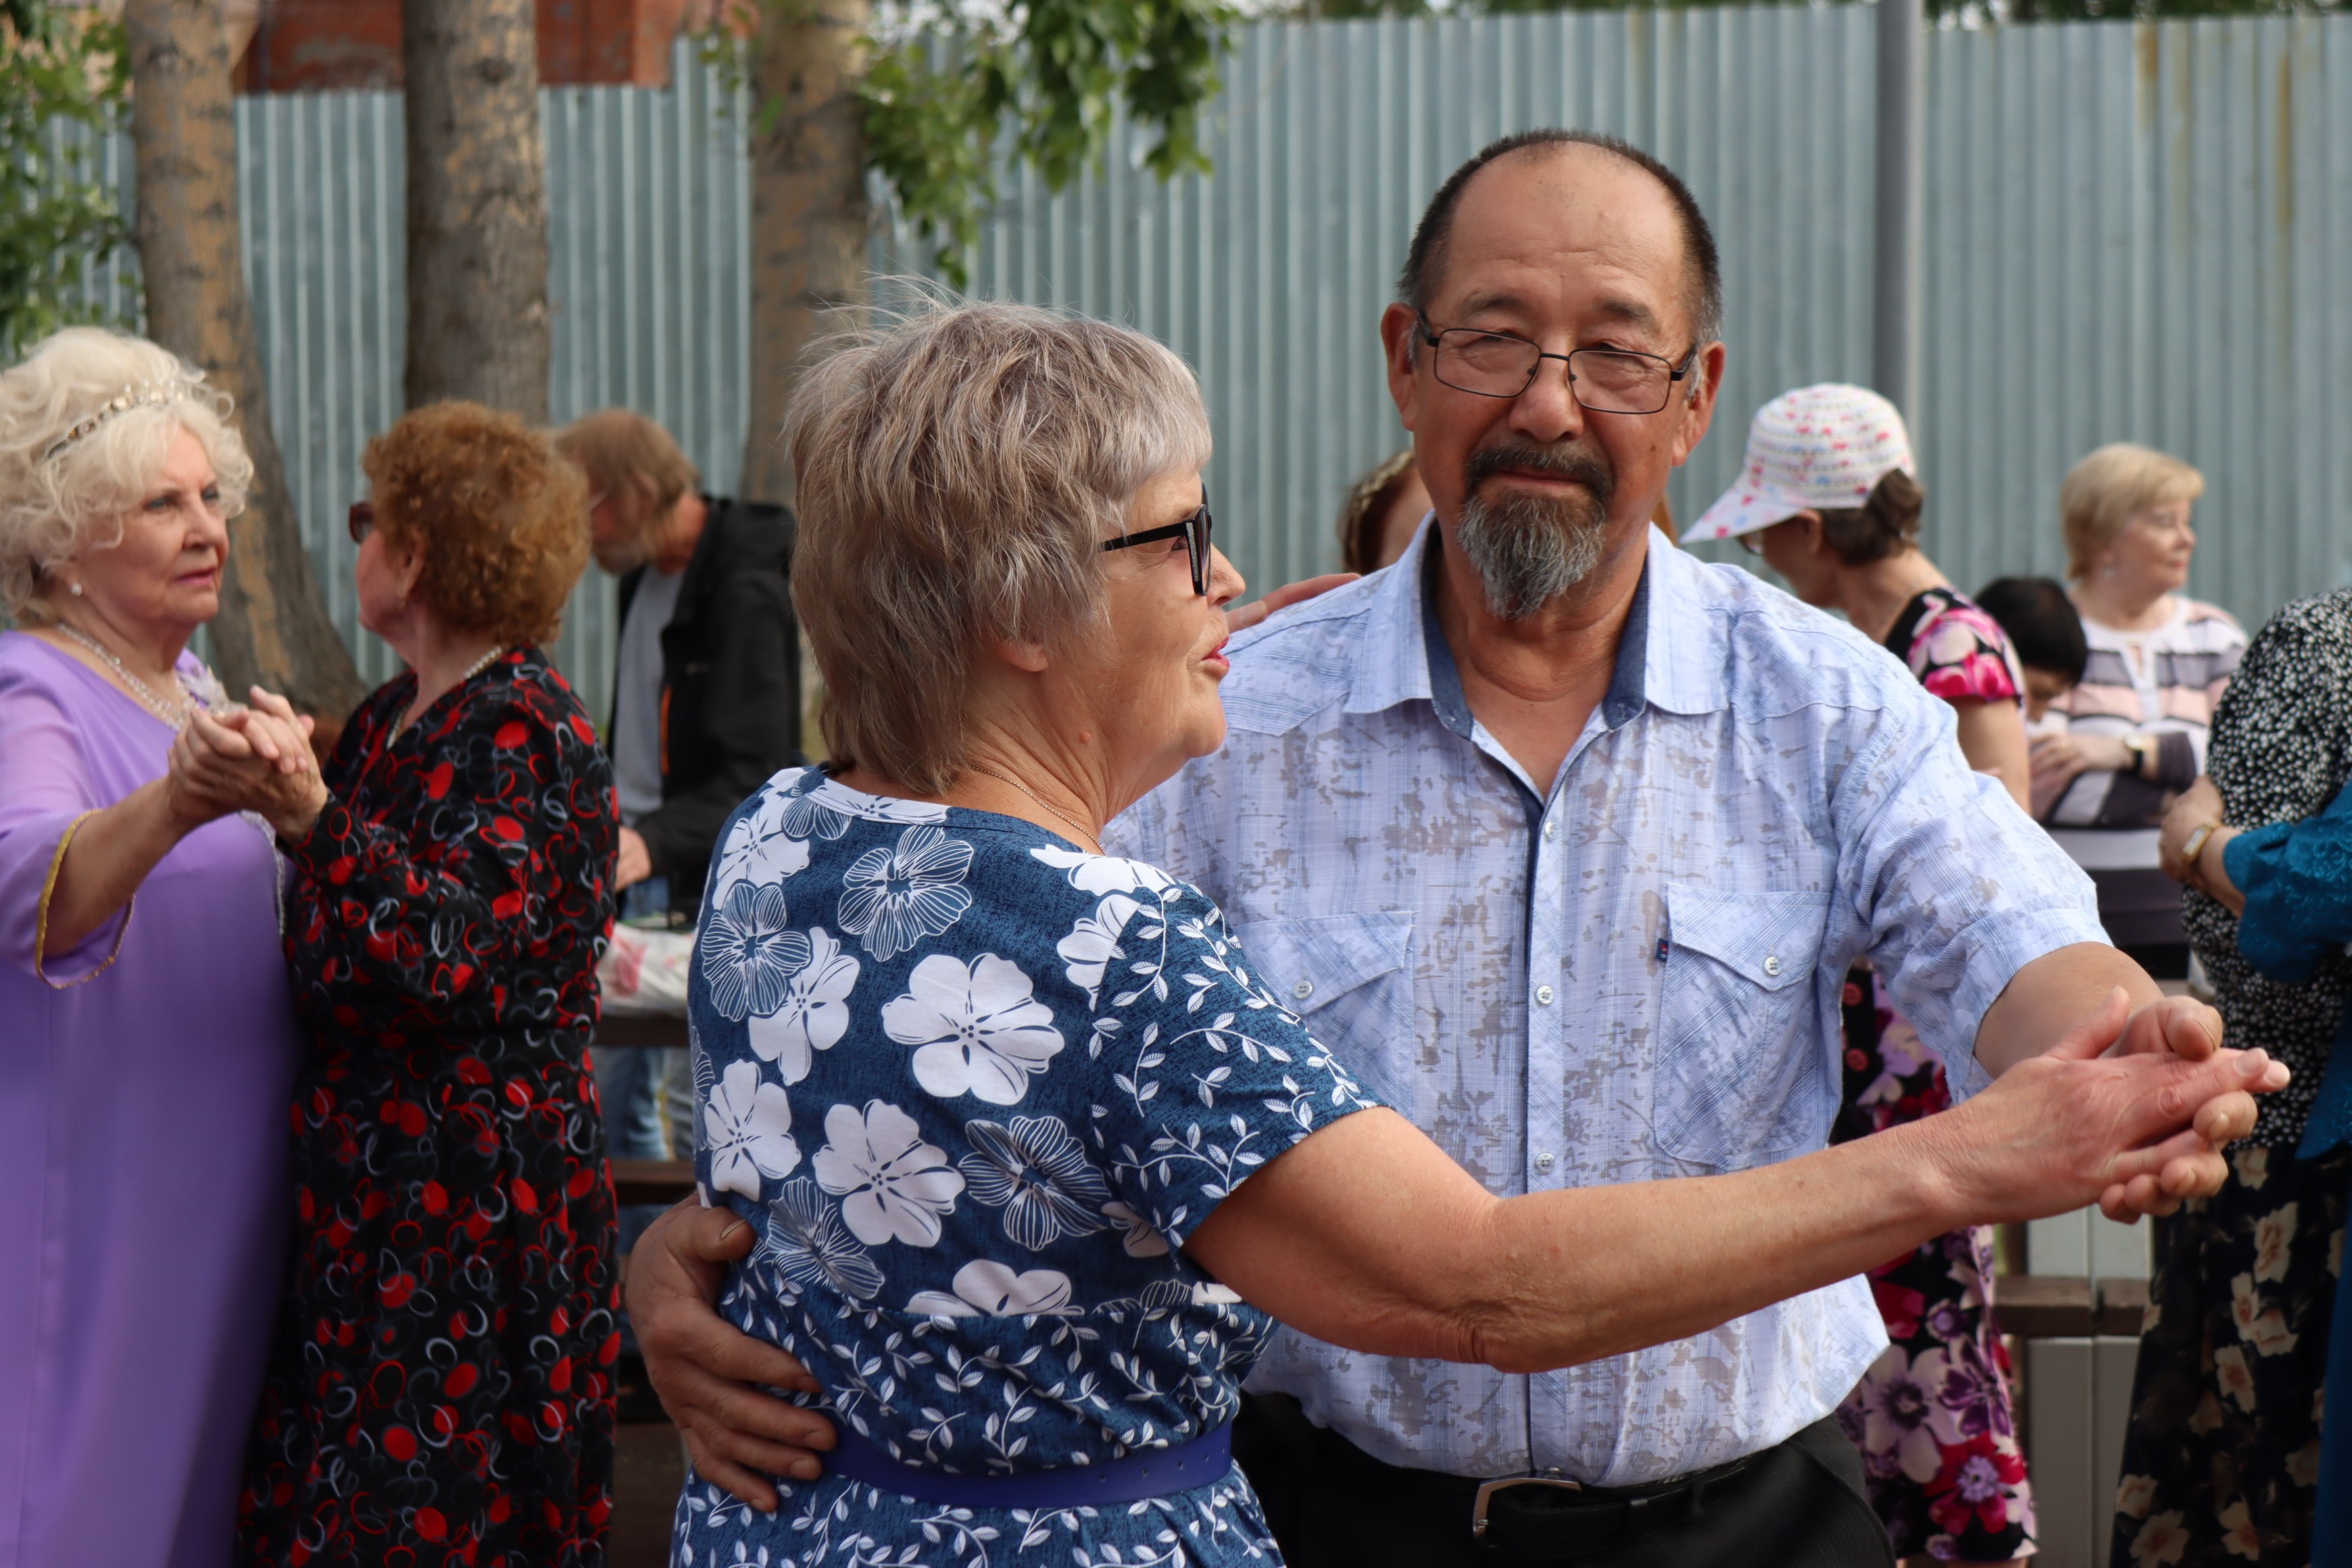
(1330, 1505)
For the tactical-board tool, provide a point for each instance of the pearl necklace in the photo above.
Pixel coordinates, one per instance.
(471, 670)
(202, 692)
(138, 687)
(1080, 834)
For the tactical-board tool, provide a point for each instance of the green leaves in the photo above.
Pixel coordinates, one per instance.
(952, 83)
(64, 84)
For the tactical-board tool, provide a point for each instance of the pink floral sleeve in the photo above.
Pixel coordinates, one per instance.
(1960, 654)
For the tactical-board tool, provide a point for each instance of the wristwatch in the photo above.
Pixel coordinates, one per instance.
(2194, 846)
(2143, 754)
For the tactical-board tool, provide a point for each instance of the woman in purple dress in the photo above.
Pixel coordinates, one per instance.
(147, 1037)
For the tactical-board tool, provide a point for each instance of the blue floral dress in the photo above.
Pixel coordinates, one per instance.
(976, 1088)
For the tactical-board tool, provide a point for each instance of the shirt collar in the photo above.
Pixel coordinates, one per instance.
(1442, 677)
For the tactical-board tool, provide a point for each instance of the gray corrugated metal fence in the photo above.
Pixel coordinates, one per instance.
(2132, 231)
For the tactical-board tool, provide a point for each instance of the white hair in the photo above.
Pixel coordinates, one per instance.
(62, 493)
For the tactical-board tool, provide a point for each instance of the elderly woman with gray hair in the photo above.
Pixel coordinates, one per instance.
(148, 1040)
(1033, 1156)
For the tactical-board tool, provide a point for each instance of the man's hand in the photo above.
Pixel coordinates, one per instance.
(2179, 1025)
(635, 863)
(712, 1379)
(2143, 1129)
(1241, 617)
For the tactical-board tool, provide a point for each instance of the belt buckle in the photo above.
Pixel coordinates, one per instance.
(1487, 1489)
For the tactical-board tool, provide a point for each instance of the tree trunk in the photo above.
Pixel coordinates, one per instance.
(273, 627)
(809, 210)
(478, 257)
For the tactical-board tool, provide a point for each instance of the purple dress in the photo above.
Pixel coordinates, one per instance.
(142, 1152)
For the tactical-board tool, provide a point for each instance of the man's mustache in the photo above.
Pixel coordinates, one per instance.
(1566, 460)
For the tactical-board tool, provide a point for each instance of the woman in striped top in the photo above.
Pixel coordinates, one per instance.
(2134, 728)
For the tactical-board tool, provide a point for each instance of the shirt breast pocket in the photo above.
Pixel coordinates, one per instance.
(1743, 1078)
(1349, 979)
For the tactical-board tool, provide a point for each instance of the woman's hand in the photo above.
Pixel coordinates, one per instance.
(252, 759)
(2057, 759)
(2196, 806)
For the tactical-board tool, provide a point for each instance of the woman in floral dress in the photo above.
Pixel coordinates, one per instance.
(2222, 1457)
(1031, 1156)
(440, 1390)
(1932, 1417)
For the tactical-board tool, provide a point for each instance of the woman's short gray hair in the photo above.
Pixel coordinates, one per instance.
(85, 420)
(957, 470)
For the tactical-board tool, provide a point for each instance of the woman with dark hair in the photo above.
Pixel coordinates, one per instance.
(440, 1388)
(1827, 497)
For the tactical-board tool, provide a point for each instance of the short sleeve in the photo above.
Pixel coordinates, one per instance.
(45, 783)
(1204, 1076)
(1955, 887)
(1960, 655)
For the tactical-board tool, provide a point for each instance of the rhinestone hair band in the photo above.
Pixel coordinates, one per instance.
(154, 394)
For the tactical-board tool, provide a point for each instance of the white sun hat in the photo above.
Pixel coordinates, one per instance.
(1816, 449)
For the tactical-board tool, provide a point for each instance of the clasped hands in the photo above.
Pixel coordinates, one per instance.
(255, 758)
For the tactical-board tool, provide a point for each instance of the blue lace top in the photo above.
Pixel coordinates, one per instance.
(976, 1088)
(2297, 878)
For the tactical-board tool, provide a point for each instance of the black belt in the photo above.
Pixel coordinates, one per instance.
(1536, 1518)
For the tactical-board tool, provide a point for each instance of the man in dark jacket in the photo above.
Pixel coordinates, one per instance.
(706, 678)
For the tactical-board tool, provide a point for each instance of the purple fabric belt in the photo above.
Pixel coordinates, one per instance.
(1145, 1473)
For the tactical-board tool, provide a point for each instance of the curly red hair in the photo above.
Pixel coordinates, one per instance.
(501, 520)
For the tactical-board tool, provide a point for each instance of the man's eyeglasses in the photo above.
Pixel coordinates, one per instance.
(1193, 531)
(1605, 381)
(362, 521)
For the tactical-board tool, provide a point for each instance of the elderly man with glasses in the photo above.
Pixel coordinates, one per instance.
(1565, 840)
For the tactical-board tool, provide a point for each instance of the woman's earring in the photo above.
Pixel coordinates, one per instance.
(75, 589)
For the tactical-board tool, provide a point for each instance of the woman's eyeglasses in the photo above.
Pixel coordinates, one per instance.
(362, 521)
(1193, 531)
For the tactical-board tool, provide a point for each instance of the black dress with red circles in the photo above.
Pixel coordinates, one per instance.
(440, 1389)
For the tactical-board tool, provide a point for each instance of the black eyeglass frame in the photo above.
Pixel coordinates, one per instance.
(1194, 531)
(1674, 373)
(361, 520)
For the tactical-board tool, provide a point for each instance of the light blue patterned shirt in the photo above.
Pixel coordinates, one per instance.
(1634, 974)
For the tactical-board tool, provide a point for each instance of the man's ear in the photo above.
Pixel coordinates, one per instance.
(1398, 325)
(1027, 656)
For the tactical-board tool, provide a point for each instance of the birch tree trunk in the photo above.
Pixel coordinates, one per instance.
(809, 209)
(273, 627)
(478, 248)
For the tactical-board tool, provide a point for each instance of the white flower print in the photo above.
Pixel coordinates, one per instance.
(1093, 943)
(814, 1013)
(2235, 1378)
(2160, 1541)
(893, 1186)
(2273, 1236)
(758, 848)
(899, 897)
(986, 1288)
(1100, 874)
(808, 1246)
(1036, 1172)
(2136, 1496)
(748, 1124)
(747, 955)
(1140, 1240)
(1901, 1413)
(978, 1031)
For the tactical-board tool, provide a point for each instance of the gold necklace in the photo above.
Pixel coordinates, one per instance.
(1082, 835)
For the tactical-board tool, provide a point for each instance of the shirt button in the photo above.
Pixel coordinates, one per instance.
(1543, 1162)
(1543, 996)
(1772, 964)
(1303, 990)
(1552, 828)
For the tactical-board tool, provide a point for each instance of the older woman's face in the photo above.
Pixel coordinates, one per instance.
(165, 573)
(1154, 672)
(2154, 548)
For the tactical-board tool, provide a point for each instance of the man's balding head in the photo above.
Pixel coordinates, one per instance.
(1424, 262)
